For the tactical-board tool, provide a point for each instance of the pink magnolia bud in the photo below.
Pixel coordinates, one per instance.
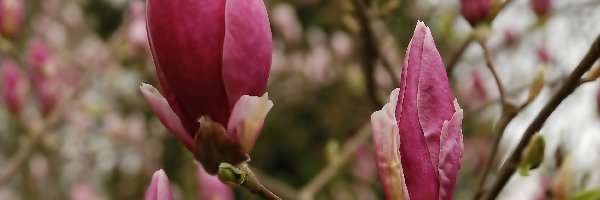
(11, 17)
(14, 86)
(510, 36)
(428, 122)
(473, 90)
(475, 11)
(543, 54)
(540, 7)
(208, 53)
(159, 188)
(211, 188)
(44, 75)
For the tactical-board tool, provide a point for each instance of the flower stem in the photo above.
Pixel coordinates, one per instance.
(253, 185)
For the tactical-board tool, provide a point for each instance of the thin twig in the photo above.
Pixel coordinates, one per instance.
(369, 59)
(508, 113)
(572, 82)
(489, 62)
(308, 192)
(372, 19)
(278, 187)
(252, 184)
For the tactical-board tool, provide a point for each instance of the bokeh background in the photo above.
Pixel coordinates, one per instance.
(96, 137)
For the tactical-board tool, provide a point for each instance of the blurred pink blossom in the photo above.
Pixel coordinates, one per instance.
(45, 76)
(473, 90)
(540, 7)
(341, 45)
(475, 11)
(543, 54)
(14, 86)
(11, 17)
(83, 191)
(136, 32)
(286, 23)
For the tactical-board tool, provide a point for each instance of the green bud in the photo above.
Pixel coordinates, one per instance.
(230, 174)
(533, 155)
(538, 84)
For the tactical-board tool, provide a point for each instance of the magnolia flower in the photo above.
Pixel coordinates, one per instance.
(159, 188)
(418, 134)
(14, 86)
(540, 7)
(11, 17)
(475, 11)
(44, 75)
(212, 60)
(211, 188)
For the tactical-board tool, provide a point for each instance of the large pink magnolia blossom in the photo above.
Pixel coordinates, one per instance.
(159, 188)
(212, 59)
(418, 134)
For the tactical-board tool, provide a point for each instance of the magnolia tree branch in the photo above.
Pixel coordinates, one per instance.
(369, 59)
(371, 19)
(572, 82)
(508, 113)
(282, 189)
(490, 64)
(308, 192)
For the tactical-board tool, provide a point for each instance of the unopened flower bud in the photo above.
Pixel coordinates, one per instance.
(230, 174)
(14, 86)
(540, 7)
(533, 155)
(11, 17)
(475, 11)
(538, 83)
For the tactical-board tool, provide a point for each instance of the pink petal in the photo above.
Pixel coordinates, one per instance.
(247, 49)
(434, 97)
(159, 188)
(451, 153)
(247, 119)
(165, 114)
(211, 188)
(186, 38)
(419, 173)
(386, 143)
